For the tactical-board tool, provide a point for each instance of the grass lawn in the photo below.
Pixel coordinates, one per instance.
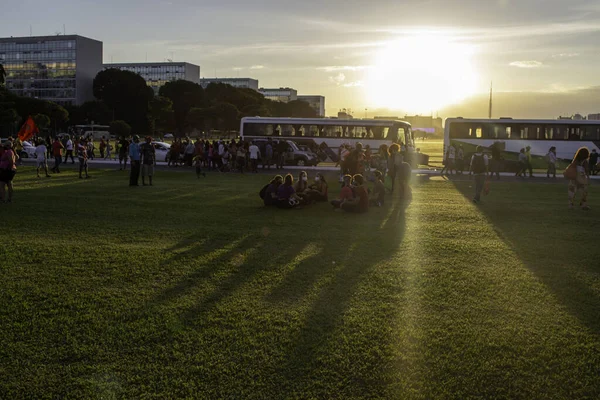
(192, 289)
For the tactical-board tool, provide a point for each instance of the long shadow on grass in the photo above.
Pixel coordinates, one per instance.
(325, 318)
(578, 298)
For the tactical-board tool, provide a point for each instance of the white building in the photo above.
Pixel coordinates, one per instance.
(284, 95)
(242, 83)
(316, 102)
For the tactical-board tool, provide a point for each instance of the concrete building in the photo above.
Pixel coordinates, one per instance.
(317, 103)
(57, 68)
(284, 95)
(593, 117)
(157, 74)
(242, 83)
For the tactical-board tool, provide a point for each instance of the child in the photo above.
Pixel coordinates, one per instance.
(198, 163)
(377, 197)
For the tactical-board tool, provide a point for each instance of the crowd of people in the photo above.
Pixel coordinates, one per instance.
(355, 195)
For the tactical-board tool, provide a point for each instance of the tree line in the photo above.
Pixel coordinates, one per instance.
(124, 101)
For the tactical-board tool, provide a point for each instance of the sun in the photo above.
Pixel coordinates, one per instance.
(420, 74)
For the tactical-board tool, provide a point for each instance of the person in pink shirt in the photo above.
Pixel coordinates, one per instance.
(345, 194)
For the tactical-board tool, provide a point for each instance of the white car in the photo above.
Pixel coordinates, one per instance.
(162, 150)
(28, 150)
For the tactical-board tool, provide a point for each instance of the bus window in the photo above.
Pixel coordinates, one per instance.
(549, 133)
(478, 133)
(288, 130)
(258, 129)
(508, 132)
(459, 131)
(401, 136)
(591, 133)
(313, 131)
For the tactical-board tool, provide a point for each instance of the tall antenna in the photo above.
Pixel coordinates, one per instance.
(490, 109)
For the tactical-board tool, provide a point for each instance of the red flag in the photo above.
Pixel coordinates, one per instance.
(28, 129)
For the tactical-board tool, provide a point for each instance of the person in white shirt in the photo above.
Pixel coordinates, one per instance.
(450, 157)
(40, 152)
(479, 168)
(254, 156)
(69, 152)
(189, 151)
(551, 158)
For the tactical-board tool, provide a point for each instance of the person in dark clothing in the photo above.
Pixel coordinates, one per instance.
(135, 156)
(593, 162)
(282, 148)
(496, 160)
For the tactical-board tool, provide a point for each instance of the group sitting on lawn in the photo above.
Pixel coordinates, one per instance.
(354, 197)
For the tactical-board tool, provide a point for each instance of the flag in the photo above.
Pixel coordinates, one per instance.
(28, 129)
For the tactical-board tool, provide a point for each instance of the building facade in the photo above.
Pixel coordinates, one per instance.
(593, 117)
(242, 83)
(58, 68)
(284, 95)
(157, 74)
(317, 103)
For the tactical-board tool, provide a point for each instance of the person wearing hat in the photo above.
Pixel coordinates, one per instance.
(148, 160)
(135, 158)
(8, 169)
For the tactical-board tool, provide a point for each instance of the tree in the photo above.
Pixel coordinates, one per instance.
(58, 115)
(42, 121)
(8, 114)
(127, 95)
(120, 128)
(96, 111)
(161, 113)
(228, 116)
(185, 95)
(196, 118)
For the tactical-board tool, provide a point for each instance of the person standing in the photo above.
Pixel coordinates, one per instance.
(190, 149)
(582, 178)
(8, 170)
(123, 151)
(551, 159)
(134, 157)
(268, 158)
(449, 159)
(496, 160)
(83, 158)
(528, 164)
(148, 161)
(460, 160)
(593, 162)
(522, 163)
(282, 148)
(90, 148)
(479, 168)
(40, 153)
(102, 147)
(254, 156)
(57, 148)
(69, 153)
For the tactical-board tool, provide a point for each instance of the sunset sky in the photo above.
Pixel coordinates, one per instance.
(389, 56)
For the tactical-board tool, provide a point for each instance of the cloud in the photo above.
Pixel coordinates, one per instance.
(337, 79)
(257, 67)
(354, 84)
(334, 68)
(565, 55)
(526, 64)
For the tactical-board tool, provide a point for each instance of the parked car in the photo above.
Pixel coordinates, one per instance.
(162, 150)
(28, 150)
(294, 155)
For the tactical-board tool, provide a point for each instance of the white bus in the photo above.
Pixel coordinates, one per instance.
(328, 134)
(512, 135)
(95, 131)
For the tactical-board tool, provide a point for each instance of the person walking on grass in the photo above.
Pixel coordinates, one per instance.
(198, 163)
(57, 148)
(102, 147)
(83, 158)
(582, 178)
(8, 170)
(450, 158)
(268, 158)
(135, 158)
(479, 168)
(40, 151)
(528, 163)
(497, 160)
(148, 161)
(123, 151)
(254, 156)
(593, 162)
(522, 164)
(69, 152)
(551, 159)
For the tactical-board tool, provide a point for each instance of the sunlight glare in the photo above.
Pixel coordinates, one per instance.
(421, 73)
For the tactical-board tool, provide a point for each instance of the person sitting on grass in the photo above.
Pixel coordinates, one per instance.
(359, 204)
(318, 190)
(269, 192)
(377, 197)
(301, 187)
(346, 194)
(286, 195)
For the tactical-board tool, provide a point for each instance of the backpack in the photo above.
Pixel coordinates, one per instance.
(263, 191)
(478, 164)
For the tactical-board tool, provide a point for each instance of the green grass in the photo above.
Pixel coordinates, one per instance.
(192, 289)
